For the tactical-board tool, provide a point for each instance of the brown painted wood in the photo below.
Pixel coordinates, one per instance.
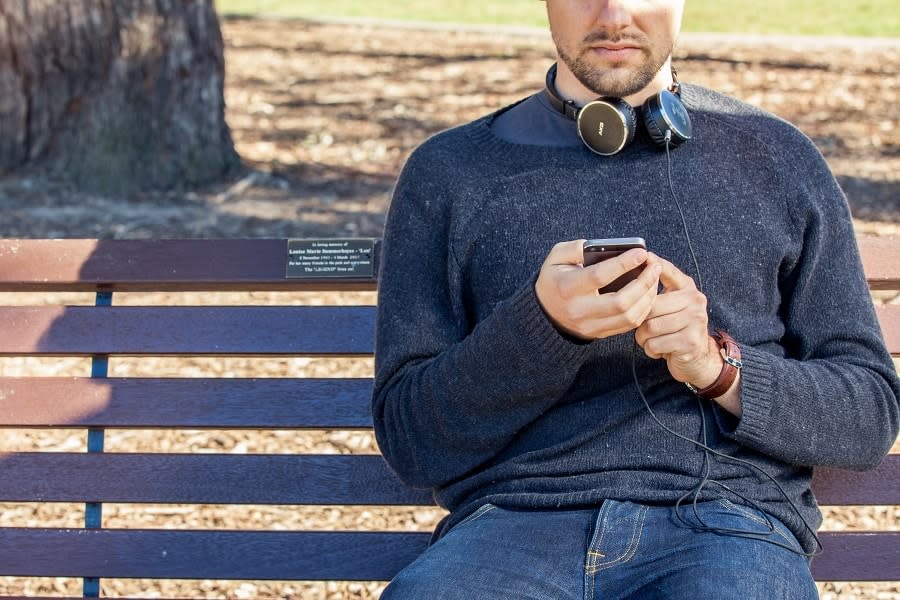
(218, 330)
(880, 486)
(303, 479)
(858, 556)
(30, 265)
(881, 260)
(194, 403)
(193, 330)
(164, 265)
(203, 478)
(317, 555)
(228, 264)
(261, 555)
(889, 319)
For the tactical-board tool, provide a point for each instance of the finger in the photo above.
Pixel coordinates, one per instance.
(684, 346)
(601, 315)
(635, 300)
(657, 327)
(670, 334)
(599, 328)
(562, 266)
(673, 278)
(614, 314)
(678, 332)
(605, 272)
(677, 301)
(566, 253)
(663, 346)
(646, 281)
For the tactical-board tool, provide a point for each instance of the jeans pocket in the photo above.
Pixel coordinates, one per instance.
(479, 512)
(754, 522)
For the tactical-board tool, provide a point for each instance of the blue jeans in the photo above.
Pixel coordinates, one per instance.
(621, 550)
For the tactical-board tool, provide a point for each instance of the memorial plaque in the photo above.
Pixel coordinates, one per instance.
(323, 258)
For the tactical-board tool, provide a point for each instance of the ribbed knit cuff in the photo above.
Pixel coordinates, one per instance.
(530, 324)
(756, 395)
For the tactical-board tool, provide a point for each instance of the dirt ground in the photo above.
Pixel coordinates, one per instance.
(323, 116)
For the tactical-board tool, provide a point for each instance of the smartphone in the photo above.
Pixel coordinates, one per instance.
(599, 250)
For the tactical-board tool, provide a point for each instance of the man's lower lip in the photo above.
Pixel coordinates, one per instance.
(620, 53)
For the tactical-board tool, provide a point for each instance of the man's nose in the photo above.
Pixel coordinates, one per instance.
(613, 13)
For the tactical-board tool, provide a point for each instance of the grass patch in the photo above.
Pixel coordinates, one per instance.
(863, 18)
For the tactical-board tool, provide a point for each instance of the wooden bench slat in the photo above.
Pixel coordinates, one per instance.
(151, 265)
(858, 556)
(194, 330)
(219, 330)
(879, 486)
(889, 319)
(195, 403)
(282, 404)
(880, 260)
(228, 264)
(293, 479)
(203, 478)
(249, 265)
(361, 556)
(262, 555)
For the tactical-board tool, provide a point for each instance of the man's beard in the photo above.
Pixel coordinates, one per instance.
(618, 82)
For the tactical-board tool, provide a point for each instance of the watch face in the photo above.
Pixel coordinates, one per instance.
(675, 114)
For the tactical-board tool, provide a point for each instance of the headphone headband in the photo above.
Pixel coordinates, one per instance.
(566, 107)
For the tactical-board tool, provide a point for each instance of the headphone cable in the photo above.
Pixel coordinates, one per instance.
(706, 477)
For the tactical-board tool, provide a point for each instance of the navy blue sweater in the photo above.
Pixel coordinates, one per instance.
(480, 398)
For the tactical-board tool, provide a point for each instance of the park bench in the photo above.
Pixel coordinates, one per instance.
(95, 402)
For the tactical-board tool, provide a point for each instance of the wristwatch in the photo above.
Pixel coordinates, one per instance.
(729, 372)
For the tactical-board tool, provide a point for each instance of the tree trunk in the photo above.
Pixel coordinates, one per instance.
(115, 95)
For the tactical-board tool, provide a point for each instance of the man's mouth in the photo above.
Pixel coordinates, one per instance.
(615, 51)
(615, 47)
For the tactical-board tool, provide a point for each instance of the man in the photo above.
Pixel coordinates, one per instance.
(554, 422)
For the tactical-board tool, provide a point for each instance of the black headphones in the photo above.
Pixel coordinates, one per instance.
(606, 125)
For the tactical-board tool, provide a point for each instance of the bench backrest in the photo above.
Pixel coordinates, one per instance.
(95, 402)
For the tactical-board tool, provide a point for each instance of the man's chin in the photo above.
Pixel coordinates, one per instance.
(615, 83)
(618, 78)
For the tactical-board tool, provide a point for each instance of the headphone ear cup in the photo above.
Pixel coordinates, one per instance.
(656, 129)
(607, 125)
(664, 113)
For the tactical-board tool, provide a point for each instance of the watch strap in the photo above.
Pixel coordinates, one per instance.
(730, 367)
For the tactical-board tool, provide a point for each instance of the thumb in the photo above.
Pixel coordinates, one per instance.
(672, 278)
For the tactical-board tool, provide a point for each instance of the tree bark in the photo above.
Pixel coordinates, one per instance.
(115, 95)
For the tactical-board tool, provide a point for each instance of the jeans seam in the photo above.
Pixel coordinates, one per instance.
(728, 504)
(596, 539)
(479, 512)
(637, 531)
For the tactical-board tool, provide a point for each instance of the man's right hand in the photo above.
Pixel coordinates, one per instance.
(567, 291)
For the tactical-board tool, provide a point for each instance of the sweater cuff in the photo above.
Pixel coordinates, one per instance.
(530, 324)
(756, 395)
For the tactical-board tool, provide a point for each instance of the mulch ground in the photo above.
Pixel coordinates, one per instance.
(324, 115)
